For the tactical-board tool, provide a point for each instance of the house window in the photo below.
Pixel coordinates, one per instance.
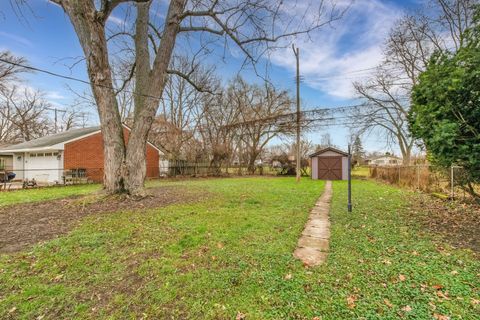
(33, 155)
(39, 154)
(2, 163)
(393, 161)
(48, 154)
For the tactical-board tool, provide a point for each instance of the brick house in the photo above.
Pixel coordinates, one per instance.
(80, 151)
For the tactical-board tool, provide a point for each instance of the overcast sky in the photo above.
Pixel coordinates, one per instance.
(331, 60)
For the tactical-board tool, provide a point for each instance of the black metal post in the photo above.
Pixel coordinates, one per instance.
(349, 205)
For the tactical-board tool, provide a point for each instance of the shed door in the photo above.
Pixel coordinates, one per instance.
(330, 168)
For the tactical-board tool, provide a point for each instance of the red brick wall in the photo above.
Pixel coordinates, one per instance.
(87, 153)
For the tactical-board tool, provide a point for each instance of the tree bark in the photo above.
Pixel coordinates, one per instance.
(90, 30)
(150, 84)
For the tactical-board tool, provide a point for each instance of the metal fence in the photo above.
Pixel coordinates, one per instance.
(426, 178)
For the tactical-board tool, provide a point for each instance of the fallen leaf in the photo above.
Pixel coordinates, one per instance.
(214, 258)
(387, 262)
(351, 301)
(437, 286)
(316, 318)
(401, 277)
(440, 317)
(474, 301)
(12, 310)
(220, 245)
(407, 308)
(288, 276)
(442, 295)
(240, 316)
(388, 303)
(454, 272)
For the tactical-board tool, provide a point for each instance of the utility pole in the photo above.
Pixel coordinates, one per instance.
(56, 110)
(349, 204)
(296, 51)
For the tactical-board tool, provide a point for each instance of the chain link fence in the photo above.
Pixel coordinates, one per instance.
(450, 182)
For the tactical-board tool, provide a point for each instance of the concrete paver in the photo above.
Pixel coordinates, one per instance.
(312, 247)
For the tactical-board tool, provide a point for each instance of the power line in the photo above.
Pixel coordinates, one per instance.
(58, 75)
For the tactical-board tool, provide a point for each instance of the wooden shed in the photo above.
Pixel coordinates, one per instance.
(329, 164)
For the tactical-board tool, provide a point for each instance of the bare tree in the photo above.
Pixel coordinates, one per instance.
(408, 49)
(23, 115)
(9, 70)
(252, 25)
(217, 130)
(257, 105)
(180, 110)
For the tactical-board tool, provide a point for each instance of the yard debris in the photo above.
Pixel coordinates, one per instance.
(240, 316)
(407, 308)
(401, 277)
(288, 276)
(351, 301)
(388, 303)
(456, 222)
(440, 317)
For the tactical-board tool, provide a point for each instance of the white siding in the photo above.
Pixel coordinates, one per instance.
(314, 168)
(344, 168)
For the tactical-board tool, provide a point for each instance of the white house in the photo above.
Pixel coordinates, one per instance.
(386, 160)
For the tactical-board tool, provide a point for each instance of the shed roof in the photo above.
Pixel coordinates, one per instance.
(319, 152)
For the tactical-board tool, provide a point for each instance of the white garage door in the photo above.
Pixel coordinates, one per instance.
(43, 167)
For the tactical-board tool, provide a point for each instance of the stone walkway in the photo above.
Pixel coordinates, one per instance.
(312, 246)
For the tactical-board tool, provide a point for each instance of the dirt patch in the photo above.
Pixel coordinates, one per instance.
(25, 224)
(456, 222)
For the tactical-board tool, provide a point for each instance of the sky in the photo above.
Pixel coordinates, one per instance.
(330, 60)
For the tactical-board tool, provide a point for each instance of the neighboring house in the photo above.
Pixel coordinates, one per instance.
(386, 160)
(329, 164)
(46, 159)
(6, 159)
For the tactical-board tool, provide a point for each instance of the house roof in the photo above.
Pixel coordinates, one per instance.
(57, 138)
(51, 140)
(319, 152)
(384, 156)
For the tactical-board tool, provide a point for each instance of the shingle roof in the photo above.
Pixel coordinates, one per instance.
(328, 149)
(51, 140)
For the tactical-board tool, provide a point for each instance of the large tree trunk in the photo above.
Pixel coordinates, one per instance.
(149, 84)
(91, 34)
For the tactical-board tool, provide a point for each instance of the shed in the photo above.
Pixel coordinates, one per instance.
(329, 164)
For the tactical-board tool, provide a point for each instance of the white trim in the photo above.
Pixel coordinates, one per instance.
(148, 142)
(61, 145)
(49, 148)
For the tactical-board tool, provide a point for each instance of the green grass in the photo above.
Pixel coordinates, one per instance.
(361, 171)
(42, 194)
(231, 252)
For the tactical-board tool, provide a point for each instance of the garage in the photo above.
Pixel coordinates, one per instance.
(43, 166)
(329, 164)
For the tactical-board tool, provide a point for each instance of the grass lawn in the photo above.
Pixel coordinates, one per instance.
(232, 252)
(49, 193)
